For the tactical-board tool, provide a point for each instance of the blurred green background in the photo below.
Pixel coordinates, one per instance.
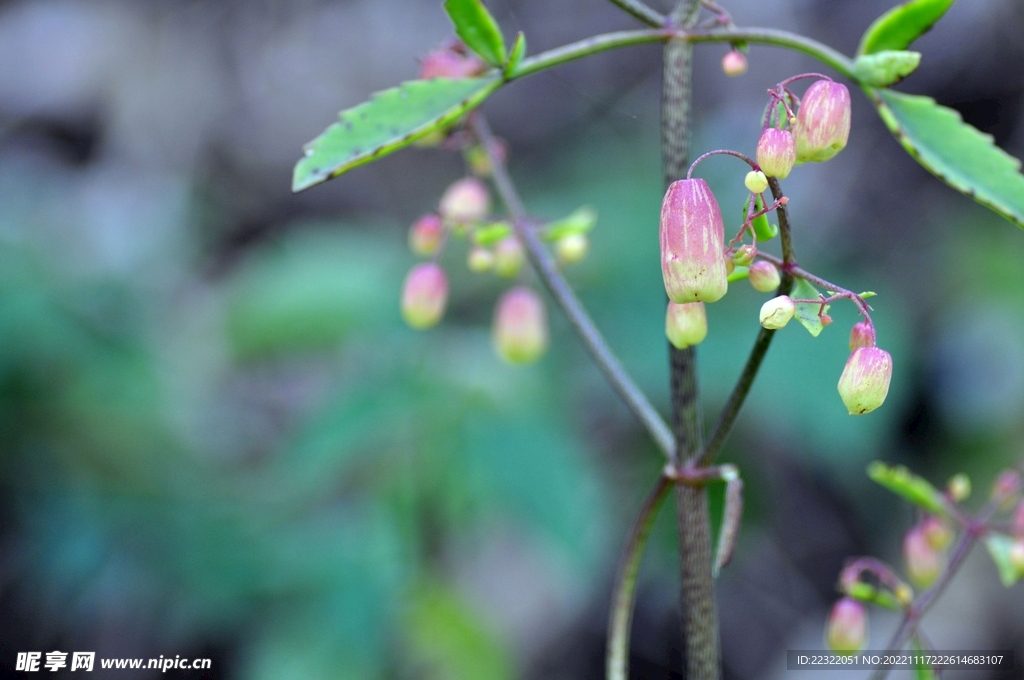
(219, 440)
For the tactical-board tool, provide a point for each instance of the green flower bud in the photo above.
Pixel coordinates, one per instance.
(764, 276)
(924, 563)
(480, 260)
(686, 324)
(744, 255)
(959, 487)
(466, 200)
(777, 312)
(755, 181)
(508, 257)
(572, 248)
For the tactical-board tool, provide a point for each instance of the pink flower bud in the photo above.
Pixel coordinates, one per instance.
(508, 257)
(572, 248)
(847, 629)
(425, 235)
(520, 326)
(823, 122)
(862, 335)
(453, 61)
(734, 63)
(764, 276)
(865, 380)
(466, 200)
(936, 532)
(1006, 485)
(777, 312)
(479, 260)
(755, 181)
(424, 296)
(744, 255)
(692, 243)
(776, 152)
(924, 563)
(686, 325)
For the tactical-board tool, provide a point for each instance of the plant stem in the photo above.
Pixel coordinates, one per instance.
(623, 598)
(546, 268)
(757, 353)
(700, 619)
(641, 12)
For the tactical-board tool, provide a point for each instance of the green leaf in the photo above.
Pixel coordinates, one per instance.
(807, 312)
(391, 120)
(902, 25)
(958, 154)
(762, 229)
(866, 592)
(490, 234)
(999, 547)
(903, 482)
(516, 56)
(580, 221)
(885, 68)
(478, 29)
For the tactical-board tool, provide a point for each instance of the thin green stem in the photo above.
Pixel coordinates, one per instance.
(771, 36)
(546, 268)
(624, 596)
(587, 47)
(641, 12)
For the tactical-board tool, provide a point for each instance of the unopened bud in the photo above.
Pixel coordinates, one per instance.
(847, 629)
(1018, 520)
(479, 259)
(862, 335)
(1006, 487)
(425, 235)
(572, 248)
(734, 63)
(520, 326)
(777, 312)
(823, 122)
(424, 295)
(479, 160)
(865, 379)
(903, 594)
(755, 181)
(451, 63)
(936, 532)
(959, 487)
(692, 237)
(466, 200)
(508, 257)
(1016, 557)
(923, 562)
(686, 325)
(776, 152)
(744, 255)
(764, 276)
(825, 319)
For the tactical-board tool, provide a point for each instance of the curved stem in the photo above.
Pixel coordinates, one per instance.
(563, 294)
(862, 306)
(722, 152)
(623, 598)
(771, 36)
(641, 12)
(587, 47)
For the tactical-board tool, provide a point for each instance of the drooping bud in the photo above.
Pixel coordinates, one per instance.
(923, 562)
(734, 63)
(823, 122)
(764, 276)
(453, 61)
(424, 295)
(692, 238)
(466, 200)
(865, 380)
(479, 259)
(777, 312)
(686, 325)
(572, 248)
(936, 532)
(425, 235)
(862, 335)
(744, 255)
(520, 326)
(755, 181)
(847, 626)
(1006, 488)
(508, 257)
(959, 487)
(776, 152)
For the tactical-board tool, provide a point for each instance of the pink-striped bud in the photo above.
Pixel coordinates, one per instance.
(424, 296)
(776, 152)
(777, 312)
(466, 200)
(734, 63)
(425, 235)
(936, 532)
(865, 380)
(692, 243)
(823, 122)
(520, 326)
(453, 61)
(508, 257)
(764, 276)
(847, 629)
(923, 562)
(862, 335)
(686, 325)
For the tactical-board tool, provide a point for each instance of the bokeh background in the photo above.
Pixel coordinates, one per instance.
(218, 439)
